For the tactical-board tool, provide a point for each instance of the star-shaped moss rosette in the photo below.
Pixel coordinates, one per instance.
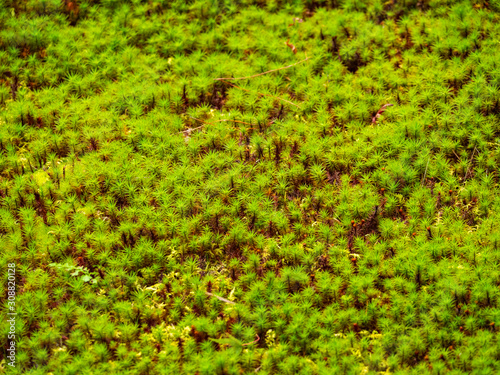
(238, 187)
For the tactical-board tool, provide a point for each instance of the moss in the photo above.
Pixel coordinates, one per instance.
(230, 187)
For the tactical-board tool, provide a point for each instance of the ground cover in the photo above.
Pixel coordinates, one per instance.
(228, 187)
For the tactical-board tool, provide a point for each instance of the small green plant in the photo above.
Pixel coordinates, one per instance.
(308, 188)
(76, 271)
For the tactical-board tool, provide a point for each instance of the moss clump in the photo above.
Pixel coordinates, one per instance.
(238, 187)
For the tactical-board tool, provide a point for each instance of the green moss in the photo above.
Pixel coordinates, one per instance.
(222, 187)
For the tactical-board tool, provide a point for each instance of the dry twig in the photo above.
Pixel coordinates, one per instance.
(253, 342)
(380, 111)
(220, 299)
(272, 96)
(260, 74)
(188, 131)
(470, 164)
